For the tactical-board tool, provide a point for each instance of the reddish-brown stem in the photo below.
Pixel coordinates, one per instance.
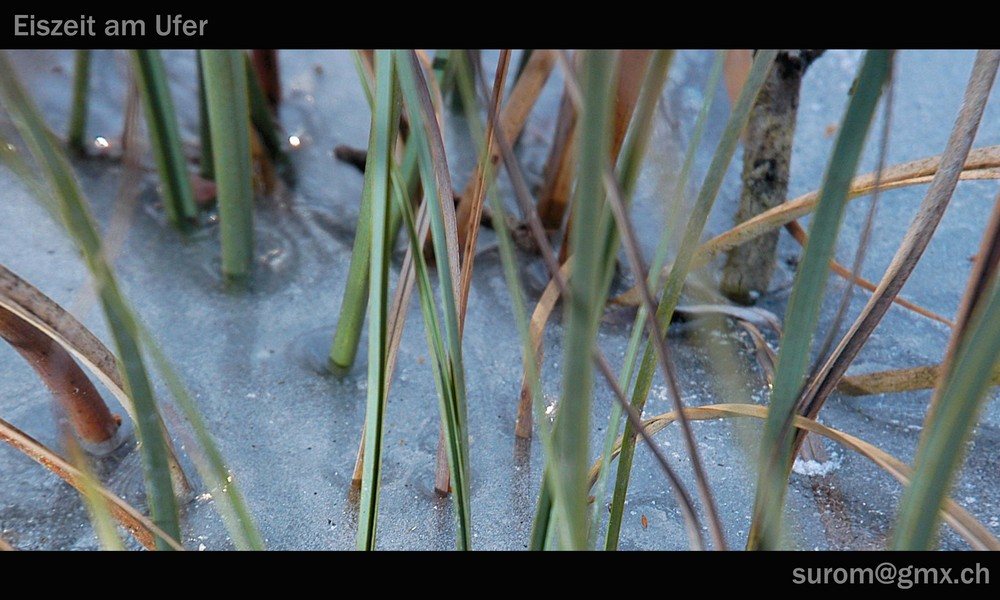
(82, 404)
(265, 63)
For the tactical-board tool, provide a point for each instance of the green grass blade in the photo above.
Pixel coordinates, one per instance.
(206, 166)
(97, 506)
(228, 106)
(570, 462)
(802, 313)
(946, 431)
(967, 375)
(385, 119)
(682, 263)
(58, 174)
(355, 301)
(208, 460)
(630, 161)
(354, 304)
(542, 524)
(638, 327)
(166, 138)
(261, 115)
(425, 133)
(78, 110)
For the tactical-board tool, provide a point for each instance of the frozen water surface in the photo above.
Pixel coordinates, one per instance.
(252, 361)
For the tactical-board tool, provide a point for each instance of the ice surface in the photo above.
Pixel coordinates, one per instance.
(289, 433)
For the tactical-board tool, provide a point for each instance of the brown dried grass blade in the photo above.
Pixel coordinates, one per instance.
(144, 530)
(800, 236)
(957, 517)
(515, 114)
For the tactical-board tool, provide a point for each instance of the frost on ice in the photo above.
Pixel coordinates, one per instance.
(814, 468)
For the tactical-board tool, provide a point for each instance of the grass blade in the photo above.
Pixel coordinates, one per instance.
(206, 167)
(385, 119)
(544, 525)
(78, 110)
(166, 138)
(208, 460)
(800, 236)
(444, 236)
(58, 174)
(658, 337)
(97, 507)
(261, 116)
(551, 487)
(802, 313)
(898, 380)
(145, 531)
(515, 114)
(573, 421)
(228, 106)
(478, 185)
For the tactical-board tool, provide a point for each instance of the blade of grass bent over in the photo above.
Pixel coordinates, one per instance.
(58, 174)
(981, 163)
(41, 312)
(800, 236)
(802, 313)
(678, 273)
(77, 398)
